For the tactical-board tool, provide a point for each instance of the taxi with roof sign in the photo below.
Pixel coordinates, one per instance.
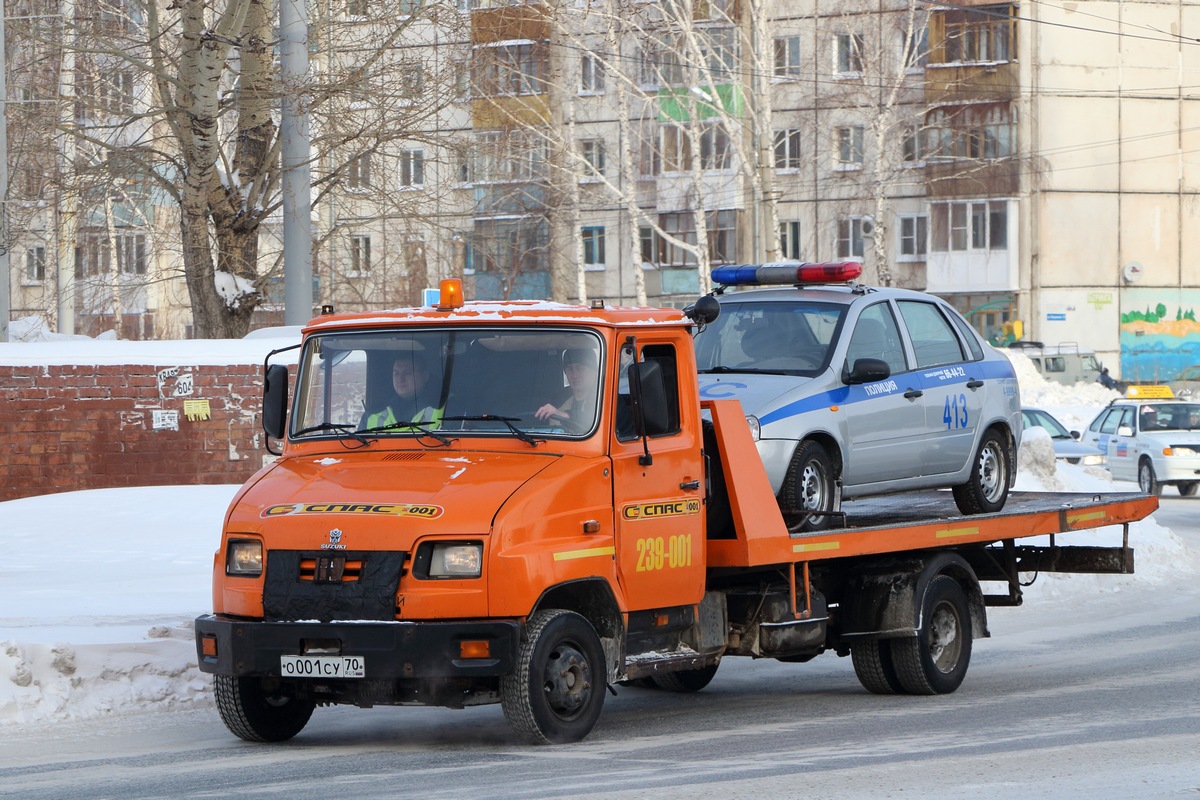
(852, 390)
(1154, 442)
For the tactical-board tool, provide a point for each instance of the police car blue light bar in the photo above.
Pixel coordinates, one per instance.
(787, 272)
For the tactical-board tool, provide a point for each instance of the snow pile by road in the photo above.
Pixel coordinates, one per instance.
(100, 587)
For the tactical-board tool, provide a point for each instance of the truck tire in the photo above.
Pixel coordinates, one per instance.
(556, 692)
(874, 666)
(1187, 489)
(688, 680)
(255, 709)
(809, 485)
(935, 661)
(1147, 480)
(987, 490)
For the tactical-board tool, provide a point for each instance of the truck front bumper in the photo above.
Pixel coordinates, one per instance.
(390, 650)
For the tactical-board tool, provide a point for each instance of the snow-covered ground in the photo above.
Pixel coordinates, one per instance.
(100, 587)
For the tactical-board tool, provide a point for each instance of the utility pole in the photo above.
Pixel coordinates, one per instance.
(67, 222)
(5, 263)
(294, 158)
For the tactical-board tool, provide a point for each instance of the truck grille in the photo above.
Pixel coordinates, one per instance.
(328, 586)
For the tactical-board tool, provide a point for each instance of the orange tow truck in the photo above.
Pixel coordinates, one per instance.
(527, 503)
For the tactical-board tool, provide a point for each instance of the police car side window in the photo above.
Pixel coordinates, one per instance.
(876, 335)
(932, 337)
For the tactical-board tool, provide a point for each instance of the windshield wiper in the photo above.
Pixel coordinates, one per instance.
(508, 422)
(748, 370)
(343, 430)
(411, 426)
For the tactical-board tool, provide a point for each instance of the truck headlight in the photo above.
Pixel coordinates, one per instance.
(243, 557)
(456, 560)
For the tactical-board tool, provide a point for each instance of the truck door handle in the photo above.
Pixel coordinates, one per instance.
(974, 384)
(913, 394)
(690, 486)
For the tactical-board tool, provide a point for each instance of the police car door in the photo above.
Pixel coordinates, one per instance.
(885, 420)
(953, 402)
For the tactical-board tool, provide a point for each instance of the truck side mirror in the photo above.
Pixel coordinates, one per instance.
(648, 390)
(868, 370)
(274, 409)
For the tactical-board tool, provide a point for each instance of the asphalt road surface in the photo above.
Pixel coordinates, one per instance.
(1096, 699)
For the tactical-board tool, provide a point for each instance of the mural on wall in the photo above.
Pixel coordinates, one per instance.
(1160, 336)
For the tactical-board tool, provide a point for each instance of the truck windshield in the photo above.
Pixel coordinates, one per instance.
(429, 383)
(789, 338)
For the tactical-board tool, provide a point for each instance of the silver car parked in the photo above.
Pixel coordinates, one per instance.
(854, 391)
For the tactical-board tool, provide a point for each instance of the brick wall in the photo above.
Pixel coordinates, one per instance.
(70, 427)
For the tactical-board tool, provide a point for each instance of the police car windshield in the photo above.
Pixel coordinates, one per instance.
(788, 338)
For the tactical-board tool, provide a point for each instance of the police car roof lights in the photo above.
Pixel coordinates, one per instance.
(787, 272)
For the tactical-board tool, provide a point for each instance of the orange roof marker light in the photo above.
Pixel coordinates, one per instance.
(794, 272)
(450, 294)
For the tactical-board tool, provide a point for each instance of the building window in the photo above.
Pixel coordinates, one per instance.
(847, 54)
(360, 255)
(648, 239)
(849, 237)
(789, 240)
(411, 81)
(116, 92)
(357, 8)
(649, 156)
(681, 226)
(969, 225)
(461, 76)
(510, 69)
(676, 149)
(358, 172)
(722, 236)
(592, 152)
(131, 253)
(849, 147)
(984, 34)
(787, 149)
(35, 264)
(593, 247)
(915, 47)
(412, 168)
(509, 156)
(715, 148)
(787, 56)
(591, 74)
(914, 235)
(913, 145)
(980, 131)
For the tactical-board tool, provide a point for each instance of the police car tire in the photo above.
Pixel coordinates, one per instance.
(808, 455)
(935, 661)
(252, 711)
(556, 691)
(1147, 480)
(1188, 489)
(688, 680)
(972, 496)
(874, 666)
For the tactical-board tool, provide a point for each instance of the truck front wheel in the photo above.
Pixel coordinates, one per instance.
(556, 692)
(258, 710)
(935, 661)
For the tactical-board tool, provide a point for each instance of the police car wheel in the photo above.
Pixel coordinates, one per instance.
(1147, 480)
(987, 490)
(809, 486)
(1188, 489)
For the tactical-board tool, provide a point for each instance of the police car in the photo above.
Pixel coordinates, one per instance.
(853, 391)
(1153, 442)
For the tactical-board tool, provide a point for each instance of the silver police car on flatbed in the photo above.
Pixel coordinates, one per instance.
(854, 391)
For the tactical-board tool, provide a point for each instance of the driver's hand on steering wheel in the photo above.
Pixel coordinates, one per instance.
(549, 412)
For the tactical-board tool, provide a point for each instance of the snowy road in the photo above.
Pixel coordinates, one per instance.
(1069, 699)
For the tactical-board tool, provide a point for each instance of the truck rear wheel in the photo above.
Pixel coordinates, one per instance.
(259, 710)
(874, 666)
(936, 660)
(688, 680)
(809, 486)
(987, 490)
(557, 690)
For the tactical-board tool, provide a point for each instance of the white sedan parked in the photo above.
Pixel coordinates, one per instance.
(1155, 442)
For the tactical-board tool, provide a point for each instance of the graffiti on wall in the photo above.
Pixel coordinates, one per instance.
(1160, 336)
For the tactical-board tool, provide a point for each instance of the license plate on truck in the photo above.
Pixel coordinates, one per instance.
(322, 666)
